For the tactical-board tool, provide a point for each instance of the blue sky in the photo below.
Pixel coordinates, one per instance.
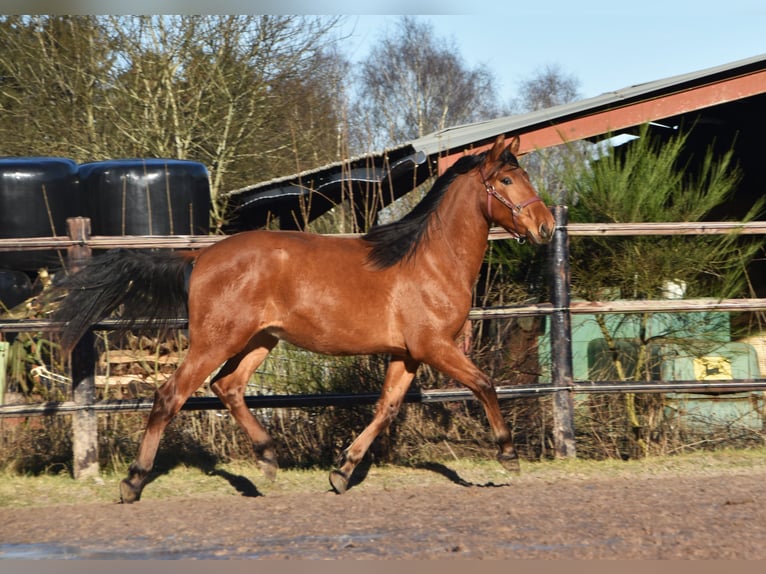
(605, 44)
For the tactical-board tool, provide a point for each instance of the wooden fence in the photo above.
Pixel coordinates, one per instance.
(84, 408)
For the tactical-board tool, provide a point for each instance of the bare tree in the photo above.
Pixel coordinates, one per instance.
(413, 83)
(238, 93)
(51, 70)
(547, 88)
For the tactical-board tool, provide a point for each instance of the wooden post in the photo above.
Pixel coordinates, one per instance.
(83, 368)
(561, 338)
(4, 346)
(78, 229)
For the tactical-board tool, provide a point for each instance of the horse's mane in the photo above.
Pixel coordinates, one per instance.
(397, 241)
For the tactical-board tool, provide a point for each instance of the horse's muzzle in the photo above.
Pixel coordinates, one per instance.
(546, 232)
(542, 235)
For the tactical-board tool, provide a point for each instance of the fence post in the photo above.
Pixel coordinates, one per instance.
(561, 337)
(83, 369)
(4, 346)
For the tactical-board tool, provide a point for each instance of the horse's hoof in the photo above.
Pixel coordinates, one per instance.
(339, 481)
(269, 468)
(510, 462)
(128, 492)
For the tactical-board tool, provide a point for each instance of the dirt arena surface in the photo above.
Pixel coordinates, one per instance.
(705, 514)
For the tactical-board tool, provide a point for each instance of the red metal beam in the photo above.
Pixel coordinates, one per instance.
(621, 117)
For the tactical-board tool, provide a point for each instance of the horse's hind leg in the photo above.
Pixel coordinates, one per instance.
(168, 400)
(229, 385)
(399, 375)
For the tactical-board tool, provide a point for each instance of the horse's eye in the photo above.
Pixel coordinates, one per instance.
(506, 181)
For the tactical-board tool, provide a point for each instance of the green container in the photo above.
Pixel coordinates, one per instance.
(683, 347)
(735, 412)
(704, 411)
(704, 325)
(704, 361)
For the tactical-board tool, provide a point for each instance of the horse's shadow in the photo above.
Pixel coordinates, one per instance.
(453, 476)
(208, 464)
(360, 473)
(241, 484)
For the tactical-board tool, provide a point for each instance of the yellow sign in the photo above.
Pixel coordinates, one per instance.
(712, 368)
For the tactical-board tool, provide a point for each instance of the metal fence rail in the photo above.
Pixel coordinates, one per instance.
(79, 243)
(413, 396)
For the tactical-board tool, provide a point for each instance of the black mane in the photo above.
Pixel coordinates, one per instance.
(396, 241)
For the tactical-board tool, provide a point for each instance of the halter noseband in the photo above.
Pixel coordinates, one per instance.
(515, 209)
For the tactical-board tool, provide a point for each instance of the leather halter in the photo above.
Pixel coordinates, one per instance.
(514, 208)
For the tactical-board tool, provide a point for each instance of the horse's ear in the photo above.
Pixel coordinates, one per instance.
(497, 149)
(513, 147)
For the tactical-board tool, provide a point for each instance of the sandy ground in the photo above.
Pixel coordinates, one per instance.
(708, 514)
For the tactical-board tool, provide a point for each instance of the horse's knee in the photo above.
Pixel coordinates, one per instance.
(389, 410)
(167, 400)
(229, 395)
(230, 392)
(484, 385)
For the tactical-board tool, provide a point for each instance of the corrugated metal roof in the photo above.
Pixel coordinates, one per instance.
(364, 161)
(465, 136)
(373, 167)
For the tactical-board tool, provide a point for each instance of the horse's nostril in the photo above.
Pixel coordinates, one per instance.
(545, 231)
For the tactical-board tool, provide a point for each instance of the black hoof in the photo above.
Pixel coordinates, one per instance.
(339, 481)
(129, 493)
(269, 467)
(510, 462)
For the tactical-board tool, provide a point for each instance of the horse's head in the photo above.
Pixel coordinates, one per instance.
(512, 201)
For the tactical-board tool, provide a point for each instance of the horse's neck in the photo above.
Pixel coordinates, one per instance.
(459, 234)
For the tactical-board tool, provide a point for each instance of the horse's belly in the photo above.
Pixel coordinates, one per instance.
(350, 334)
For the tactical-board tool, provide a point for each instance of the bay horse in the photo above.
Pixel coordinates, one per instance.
(402, 289)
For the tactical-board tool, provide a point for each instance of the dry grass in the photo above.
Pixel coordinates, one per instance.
(236, 479)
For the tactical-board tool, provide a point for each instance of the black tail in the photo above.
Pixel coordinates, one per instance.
(145, 285)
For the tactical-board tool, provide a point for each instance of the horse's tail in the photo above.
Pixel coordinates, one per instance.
(149, 286)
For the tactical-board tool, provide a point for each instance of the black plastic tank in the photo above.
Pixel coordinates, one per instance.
(146, 197)
(37, 195)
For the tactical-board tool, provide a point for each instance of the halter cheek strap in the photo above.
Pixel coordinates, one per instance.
(515, 209)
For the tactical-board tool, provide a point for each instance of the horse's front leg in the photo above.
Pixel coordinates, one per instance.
(449, 360)
(399, 375)
(229, 385)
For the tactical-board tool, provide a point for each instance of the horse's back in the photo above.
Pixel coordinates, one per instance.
(318, 292)
(292, 244)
